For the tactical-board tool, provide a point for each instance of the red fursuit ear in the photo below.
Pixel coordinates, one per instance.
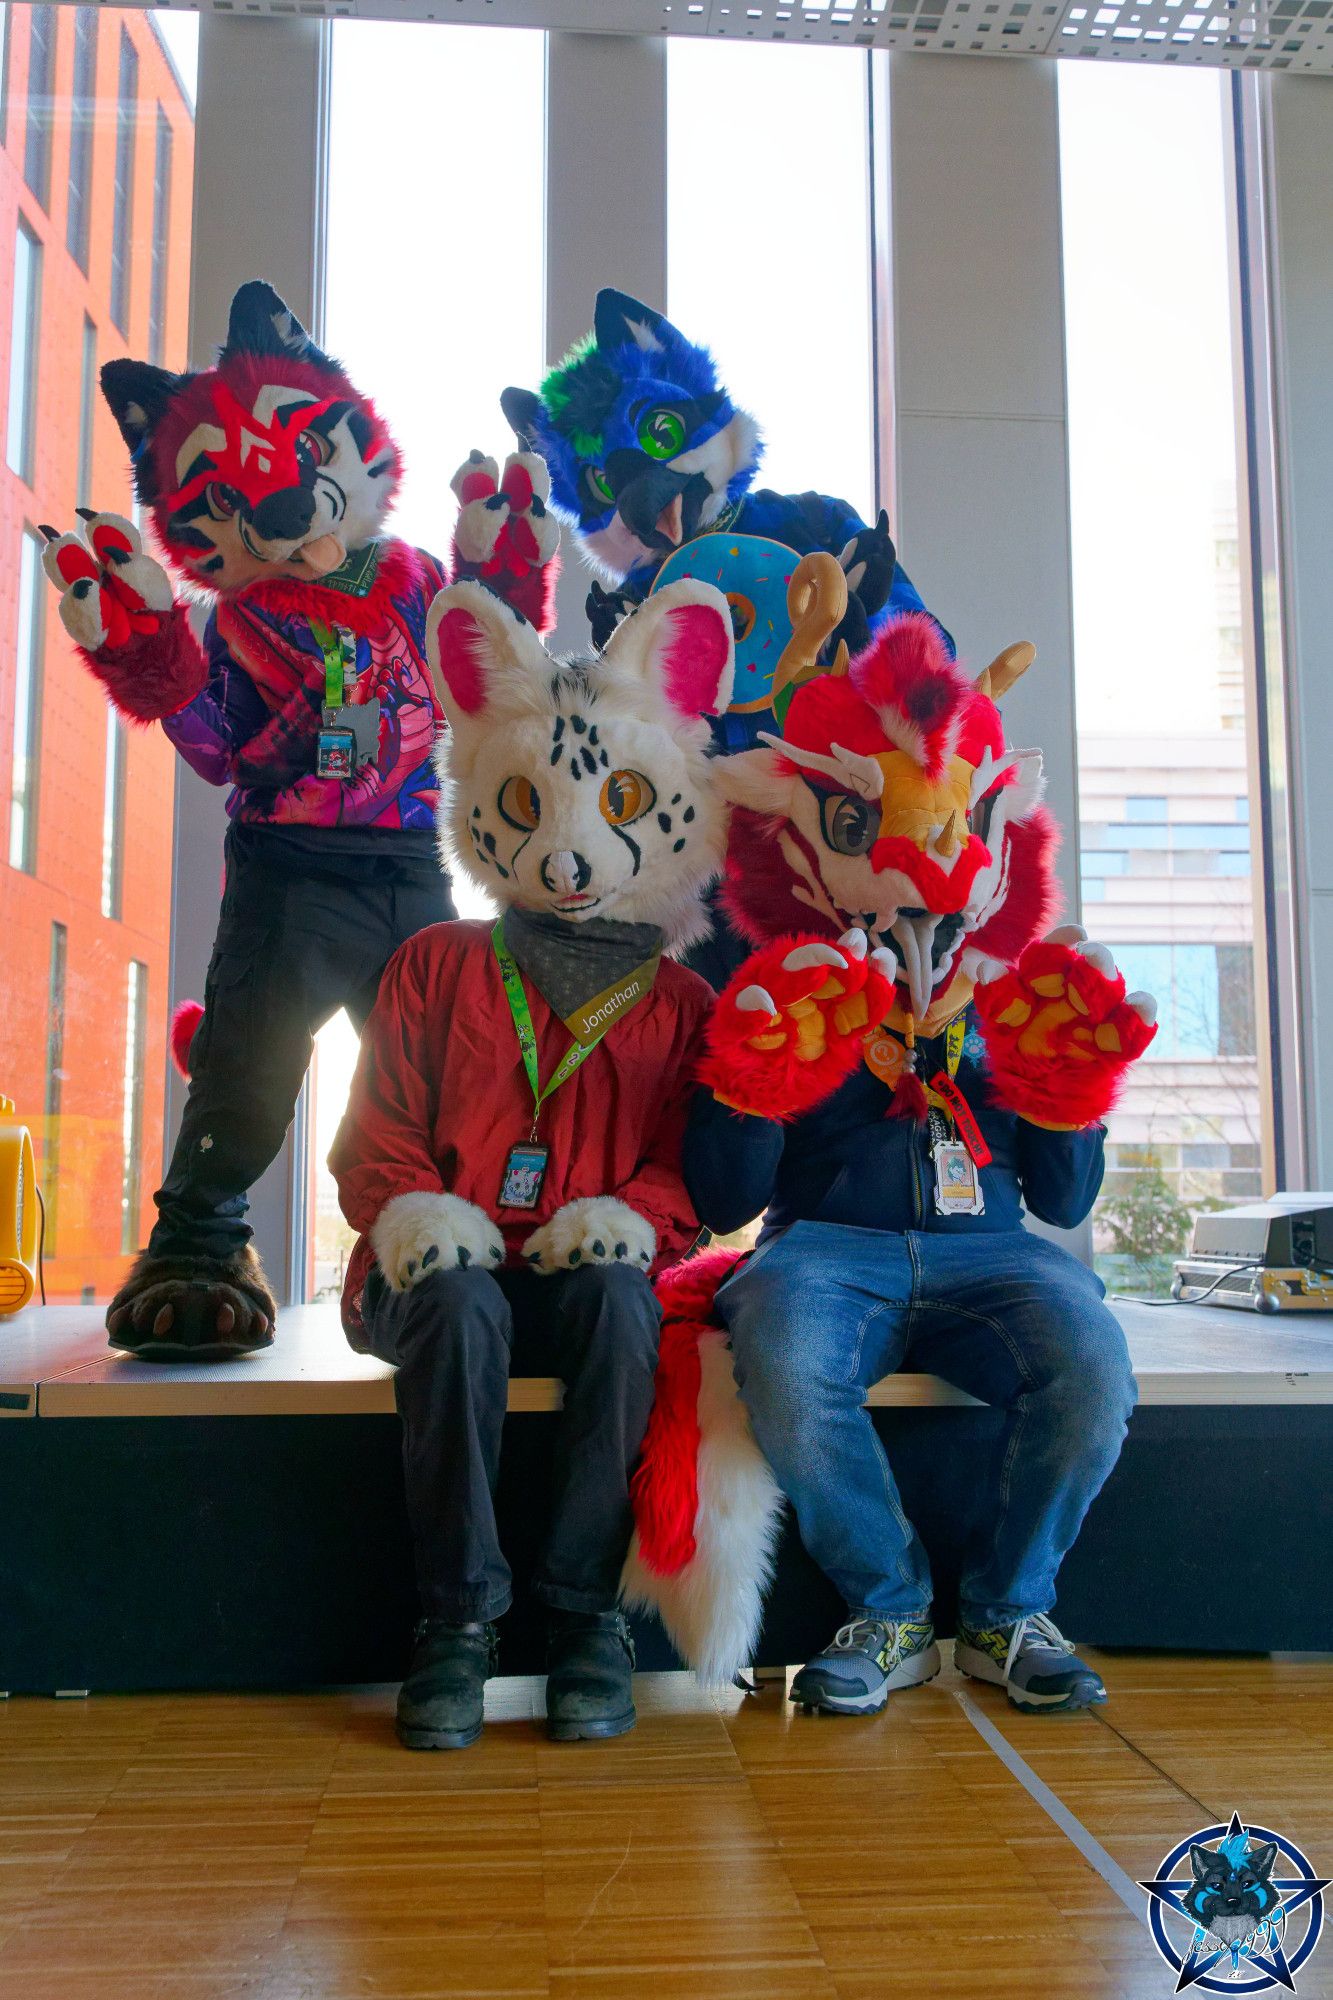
(462, 648)
(908, 672)
(695, 654)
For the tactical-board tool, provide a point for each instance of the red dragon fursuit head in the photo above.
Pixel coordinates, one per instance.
(268, 478)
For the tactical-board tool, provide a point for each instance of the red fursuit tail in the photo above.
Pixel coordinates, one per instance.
(184, 1023)
(665, 1488)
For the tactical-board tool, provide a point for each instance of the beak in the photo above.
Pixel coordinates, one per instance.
(915, 937)
(671, 520)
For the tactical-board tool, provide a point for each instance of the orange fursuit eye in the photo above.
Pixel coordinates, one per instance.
(626, 796)
(519, 803)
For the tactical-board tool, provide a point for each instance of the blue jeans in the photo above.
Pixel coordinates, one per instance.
(821, 1312)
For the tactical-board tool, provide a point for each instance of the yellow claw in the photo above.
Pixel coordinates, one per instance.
(832, 989)
(1108, 1040)
(1014, 1015)
(852, 1014)
(766, 1041)
(801, 1010)
(1051, 985)
(810, 1042)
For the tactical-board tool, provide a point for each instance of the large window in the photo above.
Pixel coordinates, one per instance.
(435, 368)
(87, 804)
(778, 285)
(40, 100)
(127, 114)
(25, 315)
(1168, 874)
(157, 294)
(25, 764)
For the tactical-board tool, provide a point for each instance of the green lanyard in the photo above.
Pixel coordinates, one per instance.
(577, 1051)
(339, 650)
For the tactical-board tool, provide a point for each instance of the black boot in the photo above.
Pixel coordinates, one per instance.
(440, 1702)
(589, 1664)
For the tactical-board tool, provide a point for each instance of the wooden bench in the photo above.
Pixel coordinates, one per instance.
(257, 1539)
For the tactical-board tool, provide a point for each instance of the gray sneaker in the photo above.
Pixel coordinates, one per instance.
(1033, 1661)
(868, 1659)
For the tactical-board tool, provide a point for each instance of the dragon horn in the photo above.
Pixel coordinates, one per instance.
(817, 605)
(1007, 667)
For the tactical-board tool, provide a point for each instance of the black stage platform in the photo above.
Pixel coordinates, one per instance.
(257, 1539)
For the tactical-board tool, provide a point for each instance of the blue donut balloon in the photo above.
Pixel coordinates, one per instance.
(753, 574)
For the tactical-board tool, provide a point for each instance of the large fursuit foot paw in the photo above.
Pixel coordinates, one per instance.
(193, 1308)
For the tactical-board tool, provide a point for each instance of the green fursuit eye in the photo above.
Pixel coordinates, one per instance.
(599, 485)
(661, 434)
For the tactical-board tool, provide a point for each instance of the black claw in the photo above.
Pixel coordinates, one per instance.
(644, 1258)
(495, 501)
(86, 513)
(533, 1257)
(52, 534)
(497, 1254)
(575, 1257)
(622, 1249)
(464, 1257)
(599, 1249)
(411, 1269)
(121, 556)
(431, 1257)
(537, 509)
(476, 458)
(81, 588)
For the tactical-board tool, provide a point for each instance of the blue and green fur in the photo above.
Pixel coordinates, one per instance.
(647, 450)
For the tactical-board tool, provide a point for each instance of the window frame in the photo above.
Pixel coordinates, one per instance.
(23, 460)
(631, 240)
(25, 805)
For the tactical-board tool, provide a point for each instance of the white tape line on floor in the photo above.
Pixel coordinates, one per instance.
(1055, 1809)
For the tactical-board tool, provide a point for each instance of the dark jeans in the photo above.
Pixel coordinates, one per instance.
(454, 1339)
(822, 1311)
(298, 938)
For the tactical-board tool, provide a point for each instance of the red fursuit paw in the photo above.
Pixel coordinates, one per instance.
(792, 1023)
(1060, 1030)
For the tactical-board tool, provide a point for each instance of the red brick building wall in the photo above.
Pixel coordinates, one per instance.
(66, 885)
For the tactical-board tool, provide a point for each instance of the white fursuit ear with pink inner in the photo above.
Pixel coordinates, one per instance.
(483, 657)
(679, 641)
(712, 1609)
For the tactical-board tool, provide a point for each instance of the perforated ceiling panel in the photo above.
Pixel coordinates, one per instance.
(1287, 34)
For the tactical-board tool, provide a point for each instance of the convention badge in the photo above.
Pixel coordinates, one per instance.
(885, 1056)
(336, 757)
(358, 729)
(944, 1087)
(525, 1170)
(957, 1182)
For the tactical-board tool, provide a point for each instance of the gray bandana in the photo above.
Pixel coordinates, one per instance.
(570, 964)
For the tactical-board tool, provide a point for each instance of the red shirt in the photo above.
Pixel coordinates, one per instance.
(440, 1096)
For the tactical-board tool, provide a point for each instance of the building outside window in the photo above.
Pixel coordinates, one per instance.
(82, 113)
(127, 111)
(106, 882)
(25, 765)
(1168, 875)
(40, 101)
(25, 318)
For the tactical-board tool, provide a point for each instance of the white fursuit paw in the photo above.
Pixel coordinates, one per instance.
(598, 1230)
(509, 505)
(416, 1234)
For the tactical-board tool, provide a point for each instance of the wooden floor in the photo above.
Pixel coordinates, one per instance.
(284, 1848)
